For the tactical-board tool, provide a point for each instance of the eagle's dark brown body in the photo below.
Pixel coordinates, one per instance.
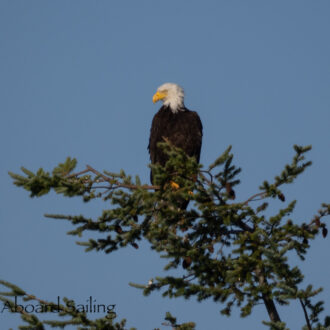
(183, 129)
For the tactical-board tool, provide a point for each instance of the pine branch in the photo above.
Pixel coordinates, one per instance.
(67, 309)
(234, 253)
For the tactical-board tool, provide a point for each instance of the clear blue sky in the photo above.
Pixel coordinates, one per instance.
(77, 79)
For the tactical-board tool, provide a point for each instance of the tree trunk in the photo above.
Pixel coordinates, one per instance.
(271, 308)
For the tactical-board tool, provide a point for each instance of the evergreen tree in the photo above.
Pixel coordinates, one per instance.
(231, 251)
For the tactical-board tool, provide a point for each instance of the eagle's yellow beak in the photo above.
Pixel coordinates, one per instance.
(158, 96)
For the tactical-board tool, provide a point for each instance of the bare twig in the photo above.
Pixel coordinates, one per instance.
(210, 175)
(77, 174)
(113, 183)
(187, 279)
(262, 194)
(306, 315)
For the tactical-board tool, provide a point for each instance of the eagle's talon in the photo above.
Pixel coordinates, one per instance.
(174, 185)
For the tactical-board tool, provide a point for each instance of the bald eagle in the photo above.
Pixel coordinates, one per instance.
(182, 127)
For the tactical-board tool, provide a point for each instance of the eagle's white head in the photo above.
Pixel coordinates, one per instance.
(172, 95)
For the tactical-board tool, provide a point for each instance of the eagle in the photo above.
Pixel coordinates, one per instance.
(174, 122)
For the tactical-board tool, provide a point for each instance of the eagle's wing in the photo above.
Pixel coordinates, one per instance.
(189, 136)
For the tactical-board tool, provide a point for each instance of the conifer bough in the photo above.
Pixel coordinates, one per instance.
(232, 251)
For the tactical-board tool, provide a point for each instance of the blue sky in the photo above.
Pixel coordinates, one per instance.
(77, 79)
